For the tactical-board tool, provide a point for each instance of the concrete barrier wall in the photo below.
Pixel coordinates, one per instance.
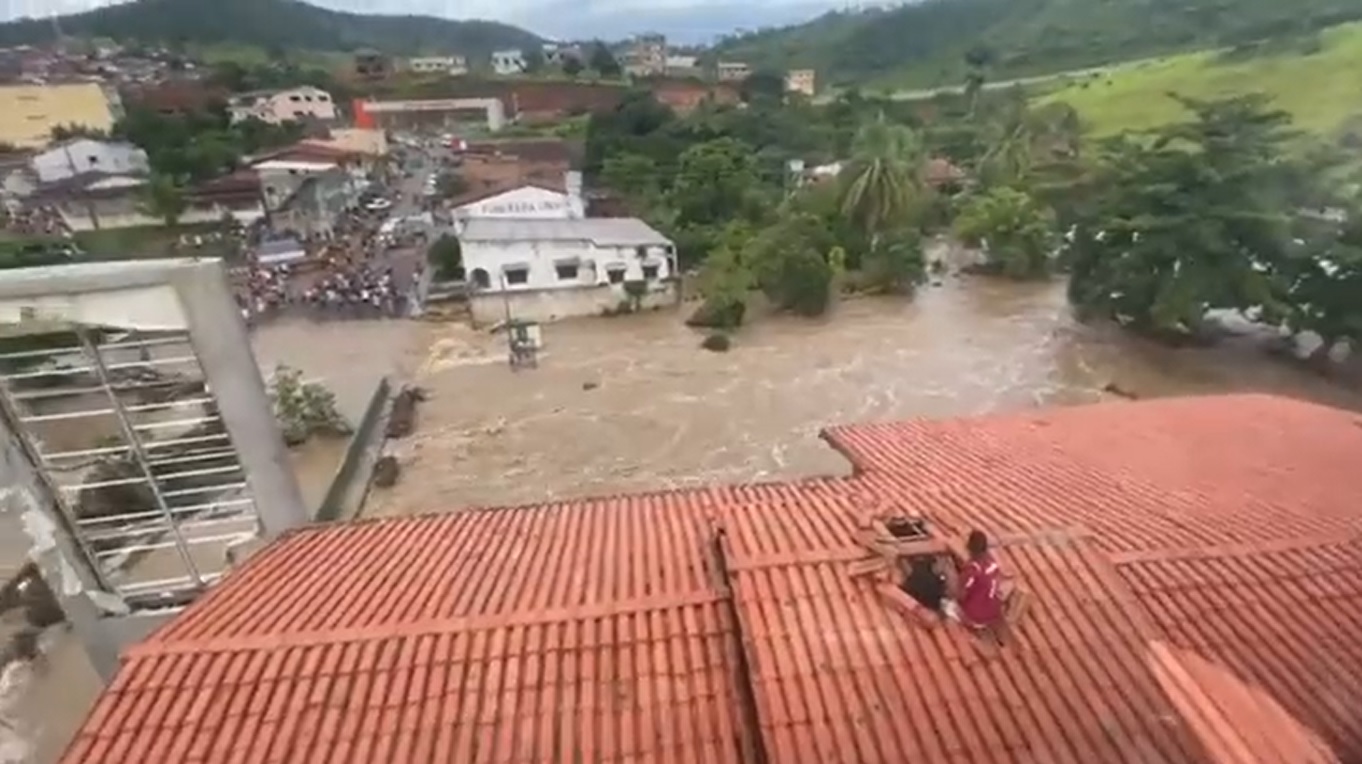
(333, 506)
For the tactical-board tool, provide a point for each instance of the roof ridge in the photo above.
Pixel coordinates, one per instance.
(425, 627)
(1240, 549)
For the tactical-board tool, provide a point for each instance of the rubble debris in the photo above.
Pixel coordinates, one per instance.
(386, 471)
(402, 420)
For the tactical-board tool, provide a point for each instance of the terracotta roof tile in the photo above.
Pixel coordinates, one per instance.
(1283, 623)
(1192, 566)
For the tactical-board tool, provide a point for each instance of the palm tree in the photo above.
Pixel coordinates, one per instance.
(884, 175)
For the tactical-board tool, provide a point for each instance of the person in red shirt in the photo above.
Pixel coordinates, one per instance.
(977, 598)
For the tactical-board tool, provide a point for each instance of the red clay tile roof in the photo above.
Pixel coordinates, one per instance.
(1194, 570)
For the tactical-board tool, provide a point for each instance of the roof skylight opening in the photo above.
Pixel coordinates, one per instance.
(907, 528)
(924, 581)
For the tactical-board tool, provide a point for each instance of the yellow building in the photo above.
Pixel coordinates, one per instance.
(29, 112)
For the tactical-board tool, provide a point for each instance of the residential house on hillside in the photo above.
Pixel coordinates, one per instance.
(686, 95)
(452, 65)
(547, 269)
(508, 61)
(28, 113)
(803, 81)
(557, 54)
(372, 65)
(733, 71)
(84, 155)
(278, 106)
(646, 56)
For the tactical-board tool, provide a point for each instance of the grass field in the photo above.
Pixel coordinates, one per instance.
(1318, 88)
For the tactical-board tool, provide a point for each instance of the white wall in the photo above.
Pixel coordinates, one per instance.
(111, 215)
(546, 305)
(591, 273)
(89, 156)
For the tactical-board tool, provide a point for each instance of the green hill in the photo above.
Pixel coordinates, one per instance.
(924, 44)
(1311, 77)
(273, 24)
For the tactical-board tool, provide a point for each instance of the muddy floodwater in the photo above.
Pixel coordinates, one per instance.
(633, 403)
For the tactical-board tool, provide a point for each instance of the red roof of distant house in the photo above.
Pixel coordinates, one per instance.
(1196, 590)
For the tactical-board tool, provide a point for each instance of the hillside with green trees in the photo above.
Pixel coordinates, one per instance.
(927, 43)
(1223, 209)
(1305, 76)
(282, 25)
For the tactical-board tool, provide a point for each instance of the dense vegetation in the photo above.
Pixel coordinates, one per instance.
(286, 25)
(1224, 211)
(926, 43)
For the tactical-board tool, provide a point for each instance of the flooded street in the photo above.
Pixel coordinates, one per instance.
(633, 403)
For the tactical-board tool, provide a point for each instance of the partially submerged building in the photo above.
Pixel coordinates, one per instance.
(543, 269)
(1194, 568)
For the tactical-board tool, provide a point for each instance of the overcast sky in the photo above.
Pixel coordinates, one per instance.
(517, 11)
(685, 21)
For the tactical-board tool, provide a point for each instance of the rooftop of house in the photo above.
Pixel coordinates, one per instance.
(1194, 569)
(354, 141)
(90, 185)
(306, 151)
(488, 191)
(604, 232)
(527, 149)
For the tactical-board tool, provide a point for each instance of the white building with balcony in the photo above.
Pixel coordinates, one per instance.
(543, 269)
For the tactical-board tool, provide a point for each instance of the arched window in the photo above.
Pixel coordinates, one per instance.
(480, 279)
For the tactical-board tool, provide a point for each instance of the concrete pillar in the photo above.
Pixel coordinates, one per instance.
(224, 349)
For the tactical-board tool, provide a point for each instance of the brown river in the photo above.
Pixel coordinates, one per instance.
(633, 403)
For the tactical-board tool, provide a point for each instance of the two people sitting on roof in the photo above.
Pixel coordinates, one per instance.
(977, 597)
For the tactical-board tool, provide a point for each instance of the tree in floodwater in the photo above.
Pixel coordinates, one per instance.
(304, 409)
(1016, 232)
(1324, 273)
(1197, 217)
(883, 180)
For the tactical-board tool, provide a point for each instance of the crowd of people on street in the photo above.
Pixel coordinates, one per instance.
(346, 275)
(37, 221)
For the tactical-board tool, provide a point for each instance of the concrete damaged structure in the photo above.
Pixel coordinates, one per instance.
(140, 454)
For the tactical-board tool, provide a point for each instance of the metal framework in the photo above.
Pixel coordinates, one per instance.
(128, 434)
